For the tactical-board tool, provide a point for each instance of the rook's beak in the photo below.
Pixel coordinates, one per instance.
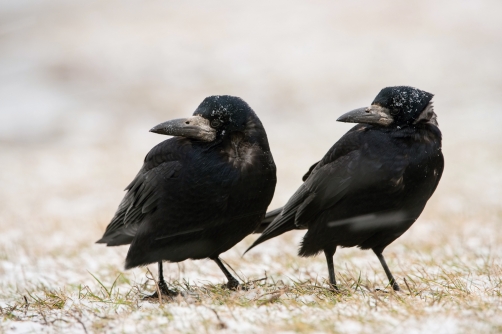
(195, 127)
(373, 114)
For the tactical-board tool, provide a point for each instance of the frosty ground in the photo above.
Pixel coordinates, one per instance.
(81, 84)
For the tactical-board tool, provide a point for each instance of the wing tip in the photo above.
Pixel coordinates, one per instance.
(101, 241)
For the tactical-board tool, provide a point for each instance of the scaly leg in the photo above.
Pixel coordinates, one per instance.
(164, 290)
(392, 281)
(331, 268)
(232, 282)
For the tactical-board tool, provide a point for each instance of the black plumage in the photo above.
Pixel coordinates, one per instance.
(372, 185)
(199, 193)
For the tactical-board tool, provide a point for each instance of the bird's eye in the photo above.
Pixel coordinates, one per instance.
(215, 123)
(394, 112)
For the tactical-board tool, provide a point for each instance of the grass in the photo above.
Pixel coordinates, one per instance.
(440, 293)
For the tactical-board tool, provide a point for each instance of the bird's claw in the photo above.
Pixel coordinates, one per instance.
(394, 286)
(334, 288)
(234, 285)
(164, 291)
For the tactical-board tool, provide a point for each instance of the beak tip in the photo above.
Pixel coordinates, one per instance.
(359, 115)
(156, 129)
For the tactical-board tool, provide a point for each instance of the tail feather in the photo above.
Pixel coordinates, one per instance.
(278, 226)
(117, 239)
(269, 217)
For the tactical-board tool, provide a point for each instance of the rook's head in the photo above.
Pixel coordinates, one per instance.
(216, 116)
(395, 106)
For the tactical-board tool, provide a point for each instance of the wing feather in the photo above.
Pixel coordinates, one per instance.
(141, 198)
(331, 180)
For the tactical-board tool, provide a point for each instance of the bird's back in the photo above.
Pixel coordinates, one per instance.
(394, 174)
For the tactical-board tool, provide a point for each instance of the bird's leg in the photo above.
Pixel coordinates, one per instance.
(162, 283)
(392, 281)
(331, 269)
(232, 282)
(164, 290)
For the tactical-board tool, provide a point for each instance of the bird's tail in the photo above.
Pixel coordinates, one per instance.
(281, 223)
(269, 217)
(117, 239)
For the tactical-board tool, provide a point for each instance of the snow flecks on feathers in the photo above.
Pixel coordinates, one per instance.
(409, 97)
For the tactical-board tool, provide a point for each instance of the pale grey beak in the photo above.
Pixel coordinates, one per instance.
(195, 127)
(373, 114)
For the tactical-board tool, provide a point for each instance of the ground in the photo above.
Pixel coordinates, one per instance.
(82, 83)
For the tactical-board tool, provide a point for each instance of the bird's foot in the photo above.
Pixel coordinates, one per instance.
(395, 287)
(334, 288)
(233, 284)
(164, 291)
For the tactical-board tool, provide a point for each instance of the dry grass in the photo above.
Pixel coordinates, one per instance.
(440, 295)
(450, 283)
(82, 82)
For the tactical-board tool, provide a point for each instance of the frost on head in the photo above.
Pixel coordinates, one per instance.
(231, 111)
(408, 96)
(403, 99)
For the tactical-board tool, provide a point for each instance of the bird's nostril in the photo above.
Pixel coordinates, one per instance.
(187, 122)
(367, 110)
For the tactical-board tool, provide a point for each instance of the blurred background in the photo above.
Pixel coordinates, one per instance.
(82, 82)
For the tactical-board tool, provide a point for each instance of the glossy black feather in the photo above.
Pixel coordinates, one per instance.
(370, 169)
(371, 186)
(196, 199)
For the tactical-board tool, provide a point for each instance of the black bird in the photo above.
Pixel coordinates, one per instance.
(199, 193)
(372, 184)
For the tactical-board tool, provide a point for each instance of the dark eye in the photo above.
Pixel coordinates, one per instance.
(215, 123)
(394, 112)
